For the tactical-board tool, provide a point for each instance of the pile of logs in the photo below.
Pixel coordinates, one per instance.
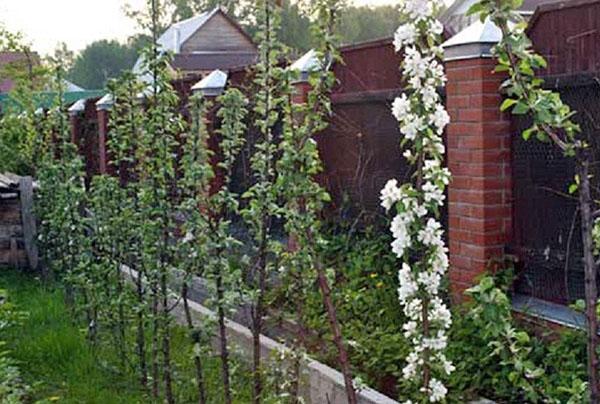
(17, 222)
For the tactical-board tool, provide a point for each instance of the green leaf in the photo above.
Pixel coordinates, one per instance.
(573, 188)
(527, 133)
(476, 9)
(520, 108)
(507, 103)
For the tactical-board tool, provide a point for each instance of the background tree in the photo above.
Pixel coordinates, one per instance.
(103, 60)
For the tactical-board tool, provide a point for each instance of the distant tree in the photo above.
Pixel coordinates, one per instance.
(182, 9)
(357, 24)
(364, 23)
(63, 54)
(295, 31)
(102, 60)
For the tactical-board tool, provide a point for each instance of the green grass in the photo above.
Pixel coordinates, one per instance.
(56, 359)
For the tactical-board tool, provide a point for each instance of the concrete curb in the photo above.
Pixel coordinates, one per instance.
(319, 383)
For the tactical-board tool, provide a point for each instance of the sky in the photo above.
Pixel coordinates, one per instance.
(77, 22)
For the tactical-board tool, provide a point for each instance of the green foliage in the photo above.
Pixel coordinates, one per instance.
(507, 368)
(101, 61)
(57, 361)
(19, 124)
(497, 359)
(359, 24)
(13, 389)
(526, 95)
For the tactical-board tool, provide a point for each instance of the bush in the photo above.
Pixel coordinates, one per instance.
(12, 387)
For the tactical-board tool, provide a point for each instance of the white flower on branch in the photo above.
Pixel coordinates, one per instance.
(439, 312)
(412, 126)
(418, 9)
(404, 35)
(430, 281)
(408, 287)
(400, 107)
(390, 194)
(437, 391)
(431, 235)
(430, 96)
(433, 194)
(440, 118)
(417, 233)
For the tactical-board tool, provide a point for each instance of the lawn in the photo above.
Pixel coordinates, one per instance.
(56, 359)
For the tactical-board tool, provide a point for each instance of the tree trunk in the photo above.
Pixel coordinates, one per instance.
(195, 340)
(223, 340)
(166, 339)
(591, 289)
(337, 334)
(141, 332)
(155, 332)
(257, 323)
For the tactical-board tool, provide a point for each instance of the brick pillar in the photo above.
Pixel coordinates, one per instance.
(480, 201)
(301, 90)
(102, 136)
(75, 122)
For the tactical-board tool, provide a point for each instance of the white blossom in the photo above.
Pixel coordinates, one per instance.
(390, 194)
(433, 193)
(431, 235)
(408, 287)
(430, 281)
(422, 119)
(404, 35)
(436, 27)
(412, 126)
(418, 9)
(429, 95)
(440, 118)
(400, 107)
(437, 390)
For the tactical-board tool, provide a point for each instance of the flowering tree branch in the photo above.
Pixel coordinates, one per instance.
(418, 235)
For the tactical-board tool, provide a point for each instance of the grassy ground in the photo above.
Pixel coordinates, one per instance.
(56, 359)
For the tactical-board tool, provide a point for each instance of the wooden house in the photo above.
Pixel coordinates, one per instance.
(201, 44)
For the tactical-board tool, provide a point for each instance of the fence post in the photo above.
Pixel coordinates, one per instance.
(103, 107)
(479, 137)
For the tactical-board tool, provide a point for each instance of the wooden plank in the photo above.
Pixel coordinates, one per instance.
(28, 220)
(10, 230)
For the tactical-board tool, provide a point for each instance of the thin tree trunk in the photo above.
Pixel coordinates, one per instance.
(166, 339)
(121, 314)
(591, 289)
(141, 333)
(257, 320)
(223, 340)
(337, 334)
(155, 332)
(195, 340)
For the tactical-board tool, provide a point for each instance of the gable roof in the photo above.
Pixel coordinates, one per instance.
(177, 34)
(460, 7)
(181, 31)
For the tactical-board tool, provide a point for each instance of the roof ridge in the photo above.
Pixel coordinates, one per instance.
(203, 14)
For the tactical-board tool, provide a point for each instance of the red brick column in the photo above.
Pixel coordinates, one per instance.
(102, 136)
(301, 90)
(480, 202)
(75, 122)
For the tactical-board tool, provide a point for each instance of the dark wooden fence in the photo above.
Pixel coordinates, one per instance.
(360, 149)
(547, 238)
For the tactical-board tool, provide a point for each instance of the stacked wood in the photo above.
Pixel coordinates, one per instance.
(17, 223)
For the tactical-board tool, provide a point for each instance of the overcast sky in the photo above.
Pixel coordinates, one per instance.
(77, 22)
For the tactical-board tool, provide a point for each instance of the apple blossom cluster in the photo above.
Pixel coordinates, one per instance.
(417, 234)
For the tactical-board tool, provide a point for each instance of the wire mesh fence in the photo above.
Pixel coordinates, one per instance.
(547, 233)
